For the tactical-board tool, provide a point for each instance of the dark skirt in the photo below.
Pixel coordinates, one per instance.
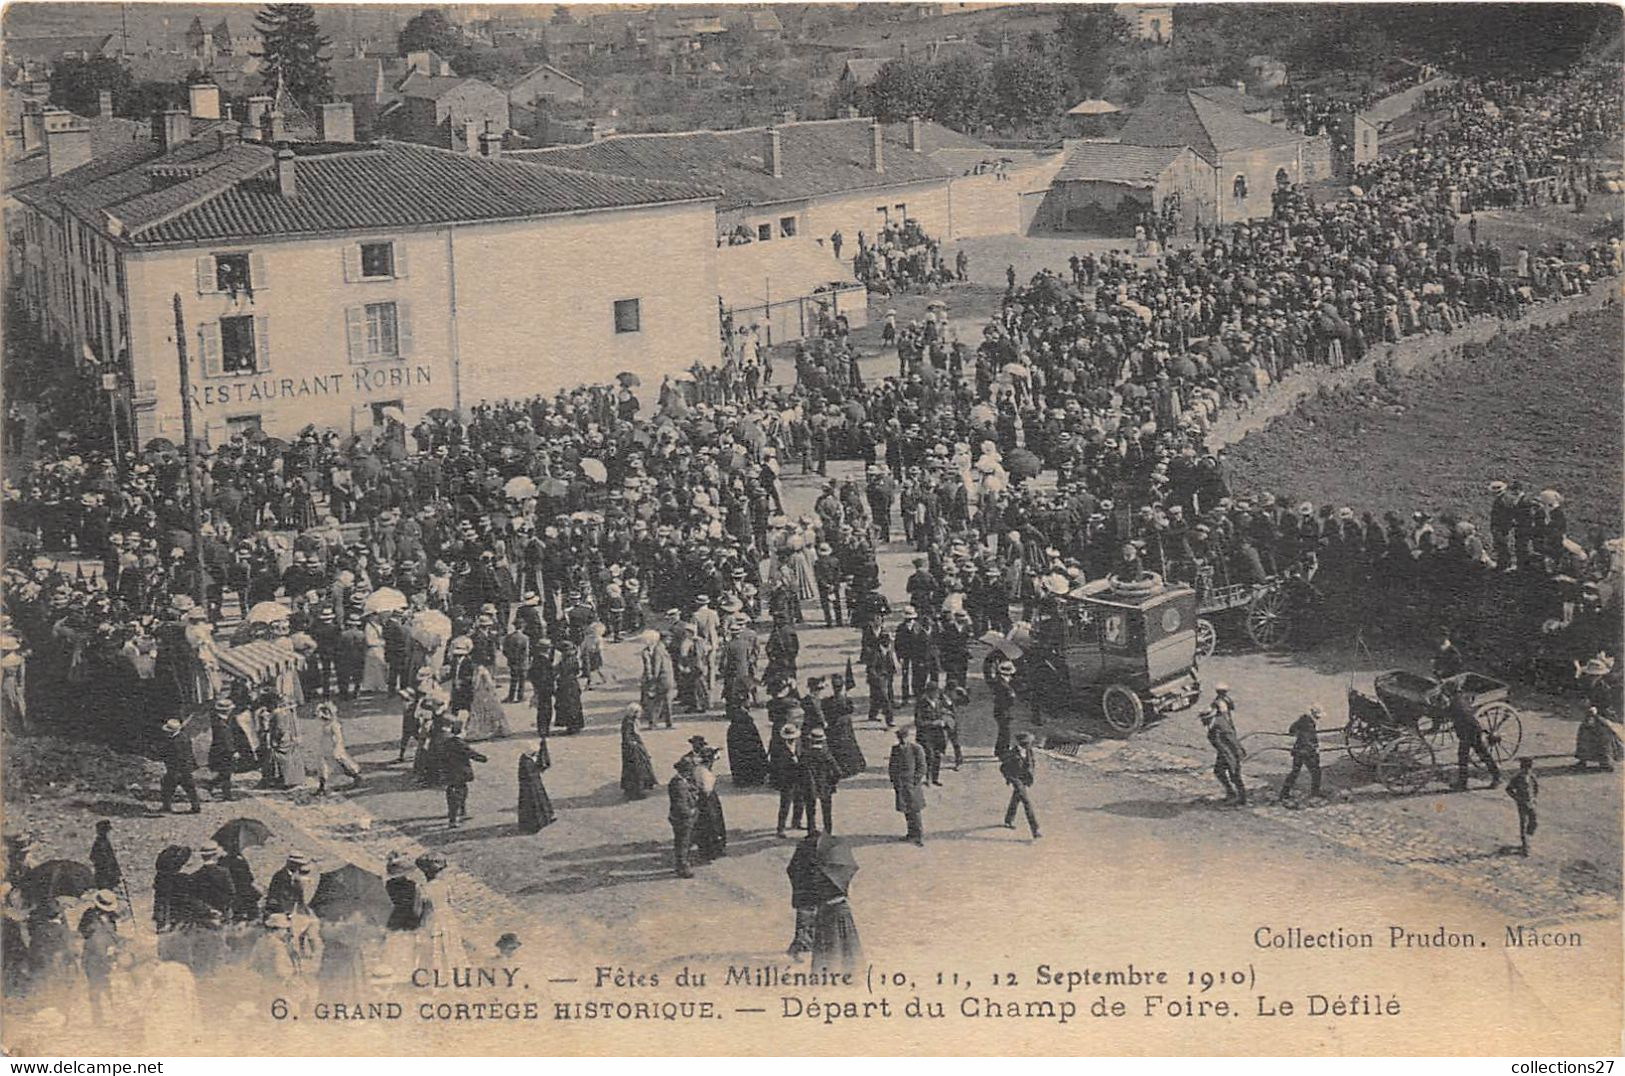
(835, 938)
(747, 758)
(535, 808)
(843, 744)
(637, 771)
(710, 829)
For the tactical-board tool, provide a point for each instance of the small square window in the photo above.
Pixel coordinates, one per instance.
(764, 232)
(377, 260)
(628, 315)
(787, 226)
(232, 274)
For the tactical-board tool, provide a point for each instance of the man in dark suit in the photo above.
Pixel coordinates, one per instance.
(458, 758)
(909, 645)
(516, 650)
(1018, 771)
(907, 771)
(179, 765)
(684, 812)
(213, 893)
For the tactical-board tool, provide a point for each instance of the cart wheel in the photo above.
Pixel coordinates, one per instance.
(1122, 709)
(1207, 637)
(1363, 742)
(1268, 621)
(1406, 764)
(1503, 729)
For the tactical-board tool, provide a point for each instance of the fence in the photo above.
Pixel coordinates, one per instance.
(795, 319)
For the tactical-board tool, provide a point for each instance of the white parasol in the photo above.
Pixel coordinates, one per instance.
(268, 613)
(384, 600)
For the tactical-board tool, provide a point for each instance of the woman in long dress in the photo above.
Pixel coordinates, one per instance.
(278, 727)
(440, 930)
(567, 712)
(843, 741)
(486, 721)
(405, 913)
(535, 808)
(375, 668)
(711, 829)
(637, 769)
(747, 758)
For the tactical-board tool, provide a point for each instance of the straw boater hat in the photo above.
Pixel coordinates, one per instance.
(790, 733)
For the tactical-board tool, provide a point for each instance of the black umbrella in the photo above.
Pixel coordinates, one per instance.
(160, 444)
(629, 379)
(835, 859)
(242, 833)
(350, 891)
(440, 414)
(58, 878)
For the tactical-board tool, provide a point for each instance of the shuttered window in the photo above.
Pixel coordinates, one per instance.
(377, 331)
(383, 259)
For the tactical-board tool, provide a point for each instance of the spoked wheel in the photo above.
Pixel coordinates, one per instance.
(1363, 742)
(1406, 764)
(1268, 620)
(1207, 637)
(1122, 709)
(1503, 729)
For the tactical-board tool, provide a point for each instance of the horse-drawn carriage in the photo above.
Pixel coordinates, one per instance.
(1407, 724)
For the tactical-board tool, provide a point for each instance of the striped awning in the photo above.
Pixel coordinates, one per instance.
(260, 661)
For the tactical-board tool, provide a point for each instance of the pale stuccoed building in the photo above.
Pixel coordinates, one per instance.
(330, 282)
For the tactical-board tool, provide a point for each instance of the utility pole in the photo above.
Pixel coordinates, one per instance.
(199, 588)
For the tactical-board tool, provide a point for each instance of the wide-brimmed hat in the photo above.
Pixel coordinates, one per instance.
(172, 726)
(106, 900)
(790, 733)
(398, 865)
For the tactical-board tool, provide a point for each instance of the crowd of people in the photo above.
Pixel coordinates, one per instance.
(902, 258)
(527, 535)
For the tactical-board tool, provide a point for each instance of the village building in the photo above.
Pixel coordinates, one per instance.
(1149, 22)
(1245, 159)
(327, 282)
(544, 83)
(30, 59)
(446, 111)
(1105, 188)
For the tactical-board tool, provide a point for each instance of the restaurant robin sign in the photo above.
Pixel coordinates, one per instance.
(363, 381)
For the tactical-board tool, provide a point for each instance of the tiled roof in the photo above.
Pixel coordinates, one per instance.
(1109, 162)
(1232, 98)
(107, 134)
(54, 47)
(864, 71)
(1184, 119)
(817, 158)
(355, 78)
(389, 185)
(431, 87)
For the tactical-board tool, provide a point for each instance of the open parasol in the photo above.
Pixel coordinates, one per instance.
(595, 470)
(433, 622)
(519, 487)
(173, 858)
(160, 444)
(554, 487)
(58, 878)
(351, 891)
(384, 600)
(268, 613)
(242, 833)
(1022, 464)
(394, 414)
(629, 379)
(834, 859)
(441, 414)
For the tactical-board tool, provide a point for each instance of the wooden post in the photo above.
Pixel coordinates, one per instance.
(199, 588)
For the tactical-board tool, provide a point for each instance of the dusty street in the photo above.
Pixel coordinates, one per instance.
(1137, 862)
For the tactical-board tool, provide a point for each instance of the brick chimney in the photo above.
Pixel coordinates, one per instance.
(787, 116)
(67, 143)
(273, 126)
(490, 142)
(1241, 87)
(852, 112)
(471, 137)
(877, 153)
(286, 181)
(203, 100)
(592, 131)
(771, 154)
(257, 108)
(104, 104)
(338, 122)
(172, 127)
(916, 134)
(227, 134)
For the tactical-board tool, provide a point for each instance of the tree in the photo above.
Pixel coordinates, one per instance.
(76, 85)
(902, 89)
(961, 94)
(1090, 40)
(1026, 88)
(429, 29)
(293, 51)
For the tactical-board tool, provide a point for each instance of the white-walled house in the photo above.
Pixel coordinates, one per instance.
(323, 283)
